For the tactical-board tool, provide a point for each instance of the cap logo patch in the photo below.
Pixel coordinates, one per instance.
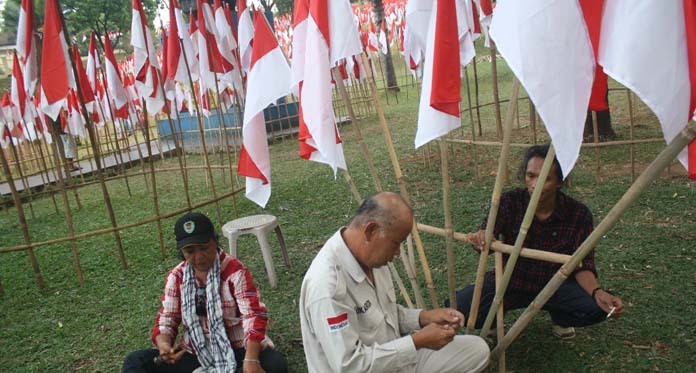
(189, 226)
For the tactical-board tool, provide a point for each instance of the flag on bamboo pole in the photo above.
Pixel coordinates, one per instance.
(449, 46)
(417, 21)
(56, 75)
(383, 46)
(227, 44)
(113, 82)
(485, 10)
(268, 80)
(25, 45)
(145, 61)
(93, 63)
(546, 45)
(653, 64)
(87, 92)
(206, 60)
(220, 58)
(18, 94)
(245, 32)
(178, 34)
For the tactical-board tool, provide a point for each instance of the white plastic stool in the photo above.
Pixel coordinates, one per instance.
(260, 226)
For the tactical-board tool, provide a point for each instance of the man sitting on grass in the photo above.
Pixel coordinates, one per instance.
(560, 225)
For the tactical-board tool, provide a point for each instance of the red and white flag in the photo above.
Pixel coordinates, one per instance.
(417, 22)
(146, 65)
(449, 46)
(56, 76)
(227, 44)
(245, 32)
(178, 35)
(25, 45)
(93, 63)
(113, 82)
(206, 59)
(83, 81)
(546, 45)
(382, 38)
(268, 80)
(19, 95)
(650, 47)
(485, 10)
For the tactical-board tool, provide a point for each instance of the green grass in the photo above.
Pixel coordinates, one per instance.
(648, 258)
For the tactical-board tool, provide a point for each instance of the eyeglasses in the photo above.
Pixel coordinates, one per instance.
(201, 302)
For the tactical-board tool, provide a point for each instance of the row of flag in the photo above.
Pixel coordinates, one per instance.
(562, 52)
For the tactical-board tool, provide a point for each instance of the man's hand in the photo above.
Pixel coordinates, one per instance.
(477, 239)
(168, 354)
(434, 336)
(606, 302)
(442, 316)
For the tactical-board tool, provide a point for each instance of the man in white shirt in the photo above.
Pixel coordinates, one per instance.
(349, 316)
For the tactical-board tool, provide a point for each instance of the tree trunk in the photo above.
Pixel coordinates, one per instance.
(387, 63)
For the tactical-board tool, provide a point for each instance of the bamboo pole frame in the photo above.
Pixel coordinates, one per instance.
(521, 236)
(643, 181)
(402, 185)
(495, 202)
(97, 156)
(22, 222)
(449, 232)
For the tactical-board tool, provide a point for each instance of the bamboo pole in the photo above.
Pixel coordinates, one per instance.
(356, 128)
(402, 185)
(498, 246)
(57, 153)
(631, 147)
(227, 149)
(48, 175)
(135, 123)
(202, 131)
(519, 241)
(500, 315)
(595, 130)
(408, 262)
(471, 120)
(449, 241)
(119, 158)
(532, 121)
(496, 97)
(24, 227)
(97, 157)
(122, 227)
(25, 182)
(476, 96)
(153, 180)
(643, 181)
(495, 202)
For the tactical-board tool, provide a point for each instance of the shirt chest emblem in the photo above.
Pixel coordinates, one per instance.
(362, 309)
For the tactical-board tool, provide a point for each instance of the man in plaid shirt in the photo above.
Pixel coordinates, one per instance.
(560, 225)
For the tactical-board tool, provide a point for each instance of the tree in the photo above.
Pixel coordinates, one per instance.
(84, 16)
(387, 63)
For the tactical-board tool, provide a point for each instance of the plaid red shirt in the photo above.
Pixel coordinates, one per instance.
(562, 232)
(243, 314)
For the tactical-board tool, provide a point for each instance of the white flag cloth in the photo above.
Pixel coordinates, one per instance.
(25, 45)
(643, 46)
(417, 21)
(433, 122)
(145, 61)
(546, 44)
(245, 32)
(268, 79)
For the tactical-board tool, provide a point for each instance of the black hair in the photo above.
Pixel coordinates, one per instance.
(538, 151)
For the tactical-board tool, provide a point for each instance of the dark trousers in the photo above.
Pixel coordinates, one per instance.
(141, 361)
(570, 306)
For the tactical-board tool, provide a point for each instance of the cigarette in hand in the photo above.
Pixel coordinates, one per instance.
(611, 312)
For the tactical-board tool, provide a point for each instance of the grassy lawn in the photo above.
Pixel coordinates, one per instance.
(648, 258)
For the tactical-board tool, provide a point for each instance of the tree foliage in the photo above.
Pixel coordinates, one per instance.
(84, 16)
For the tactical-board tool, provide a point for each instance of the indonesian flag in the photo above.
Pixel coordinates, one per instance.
(93, 63)
(75, 120)
(417, 22)
(650, 47)
(245, 31)
(592, 13)
(114, 83)
(146, 65)
(6, 106)
(56, 77)
(226, 43)
(268, 80)
(178, 34)
(87, 93)
(449, 45)
(206, 60)
(383, 46)
(485, 10)
(546, 45)
(19, 95)
(25, 44)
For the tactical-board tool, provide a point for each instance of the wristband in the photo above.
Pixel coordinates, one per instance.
(252, 360)
(598, 288)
